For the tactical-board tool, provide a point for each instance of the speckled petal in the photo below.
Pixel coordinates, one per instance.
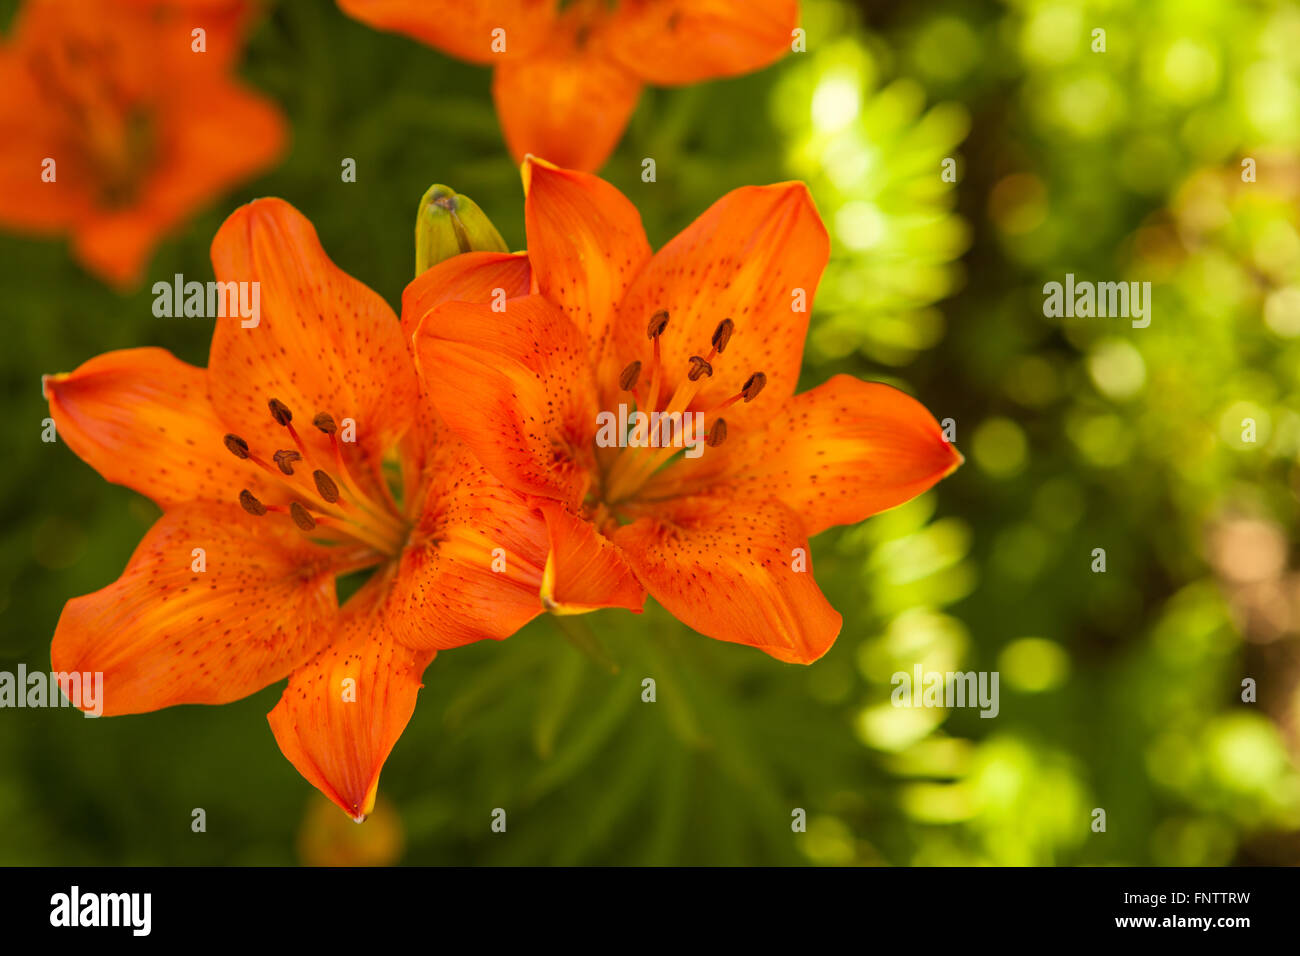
(737, 571)
(471, 277)
(837, 454)
(141, 418)
(169, 633)
(343, 710)
(323, 342)
(473, 568)
(584, 570)
(585, 242)
(515, 386)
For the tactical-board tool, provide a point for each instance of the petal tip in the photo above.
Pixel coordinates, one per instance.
(48, 383)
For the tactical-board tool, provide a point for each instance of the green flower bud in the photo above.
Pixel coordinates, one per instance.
(448, 224)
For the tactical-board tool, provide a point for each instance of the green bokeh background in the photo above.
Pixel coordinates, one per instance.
(1119, 690)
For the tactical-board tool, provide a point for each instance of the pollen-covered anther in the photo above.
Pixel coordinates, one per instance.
(628, 378)
(722, 335)
(236, 446)
(699, 366)
(753, 385)
(285, 458)
(717, 434)
(326, 486)
(280, 411)
(251, 504)
(658, 322)
(301, 517)
(325, 423)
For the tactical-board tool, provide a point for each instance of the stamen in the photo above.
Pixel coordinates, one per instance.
(283, 417)
(285, 459)
(717, 434)
(722, 335)
(237, 446)
(381, 529)
(629, 471)
(628, 379)
(749, 391)
(301, 517)
(658, 322)
(351, 486)
(280, 411)
(655, 328)
(326, 486)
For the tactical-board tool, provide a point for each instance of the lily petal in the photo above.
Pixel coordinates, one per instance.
(755, 257)
(343, 710)
(141, 418)
(672, 42)
(568, 103)
(202, 154)
(323, 342)
(516, 388)
(584, 570)
(165, 633)
(30, 135)
(836, 454)
(731, 570)
(585, 242)
(460, 28)
(473, 569)
(470, 277)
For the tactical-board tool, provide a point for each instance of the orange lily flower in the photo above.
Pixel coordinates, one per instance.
(115, 130)
(568, 76)
(714, 324)
(273, 468)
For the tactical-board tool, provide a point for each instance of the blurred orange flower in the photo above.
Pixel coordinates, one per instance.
(296, 419)
(116, 129)
(568, 75)
(713, 323)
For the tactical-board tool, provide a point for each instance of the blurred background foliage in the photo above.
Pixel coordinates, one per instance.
(1120, 690)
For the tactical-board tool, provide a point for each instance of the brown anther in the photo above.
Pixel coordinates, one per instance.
(699, 367)
(753, 385)
(325, 485)
(722, 335)
(251, 504)
(236, 446)
(285, 458)
(280, 411)
(301, 517)
(717, 434)
(658, 322)
(627, 381)
(325, 423)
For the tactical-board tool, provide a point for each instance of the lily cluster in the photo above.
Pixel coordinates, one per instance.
(452, 454)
